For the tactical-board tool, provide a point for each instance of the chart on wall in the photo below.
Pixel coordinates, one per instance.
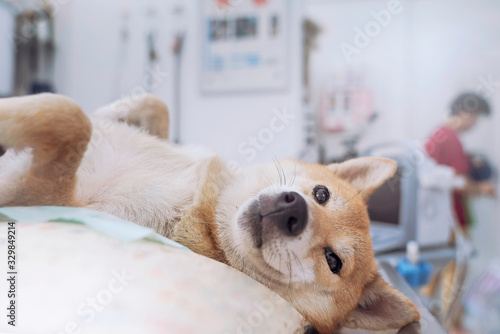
(245, 45)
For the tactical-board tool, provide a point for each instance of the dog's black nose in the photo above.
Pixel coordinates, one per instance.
(289, 213)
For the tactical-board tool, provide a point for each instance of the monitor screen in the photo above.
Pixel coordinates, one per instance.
(384, 204)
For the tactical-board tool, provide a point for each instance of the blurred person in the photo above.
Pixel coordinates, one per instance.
(446, 148)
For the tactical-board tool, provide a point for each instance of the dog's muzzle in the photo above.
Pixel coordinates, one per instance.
(275, 215)
(287, 211)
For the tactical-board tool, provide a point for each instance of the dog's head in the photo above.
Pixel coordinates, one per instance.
(306, 236)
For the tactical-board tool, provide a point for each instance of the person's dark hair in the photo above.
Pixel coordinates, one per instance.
(470, 102)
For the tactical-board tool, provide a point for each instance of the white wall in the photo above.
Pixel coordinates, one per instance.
(93, 65)
(224, 122)
(89, 51)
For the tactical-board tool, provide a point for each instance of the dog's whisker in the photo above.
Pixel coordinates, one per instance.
(271, 257)
(298, 262)
(279, 174)
(279, 266)
(273, 253)
(294, 175)
(282, 171)
(275, 161)
(289, 269)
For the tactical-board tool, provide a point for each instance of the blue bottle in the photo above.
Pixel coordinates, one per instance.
(415, 271)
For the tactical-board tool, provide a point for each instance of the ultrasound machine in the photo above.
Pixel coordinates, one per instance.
(397, 213)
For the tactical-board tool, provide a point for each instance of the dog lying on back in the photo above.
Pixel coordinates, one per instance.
(300, 229)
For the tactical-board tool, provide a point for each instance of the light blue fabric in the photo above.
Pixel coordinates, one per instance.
(103, 222)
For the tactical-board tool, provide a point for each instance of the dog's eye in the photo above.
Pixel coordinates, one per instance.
(333, 260)
(321, 194)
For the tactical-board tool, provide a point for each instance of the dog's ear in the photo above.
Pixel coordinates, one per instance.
(382, 307)
(365, 174)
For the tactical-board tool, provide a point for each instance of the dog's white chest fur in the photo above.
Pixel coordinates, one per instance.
(137, 177)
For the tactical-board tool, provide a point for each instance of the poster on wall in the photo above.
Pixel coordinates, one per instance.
(244, 45)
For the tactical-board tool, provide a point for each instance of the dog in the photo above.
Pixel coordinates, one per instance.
(300, 229)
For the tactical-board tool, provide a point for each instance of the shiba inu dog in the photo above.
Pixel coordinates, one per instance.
(300, 229)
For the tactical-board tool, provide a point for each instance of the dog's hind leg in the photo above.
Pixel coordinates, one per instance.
(58, 132)
(144, 111)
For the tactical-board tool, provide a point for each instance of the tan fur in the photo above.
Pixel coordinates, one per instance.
(197, 229)
(151, 114)
(58, 132)
(206, 218)
(145, 111)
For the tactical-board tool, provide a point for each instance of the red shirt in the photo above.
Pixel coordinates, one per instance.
(445, 147)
